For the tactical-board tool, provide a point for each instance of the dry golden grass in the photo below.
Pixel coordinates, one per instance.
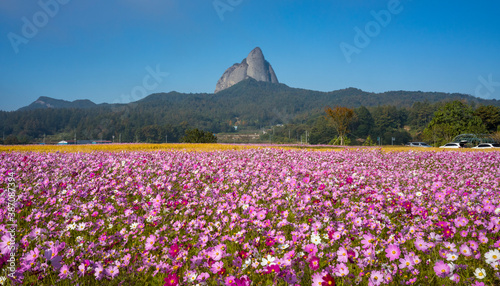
(199, 148)
(121, 147)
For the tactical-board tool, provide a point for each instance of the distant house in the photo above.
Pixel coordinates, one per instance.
(83, 142)
(66, 142)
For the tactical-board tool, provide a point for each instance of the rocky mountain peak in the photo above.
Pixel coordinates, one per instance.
(253, 66)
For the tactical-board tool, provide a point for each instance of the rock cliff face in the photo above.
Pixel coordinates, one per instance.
(254, 66)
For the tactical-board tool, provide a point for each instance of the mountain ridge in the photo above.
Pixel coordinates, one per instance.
(45, 102)
(269, 89)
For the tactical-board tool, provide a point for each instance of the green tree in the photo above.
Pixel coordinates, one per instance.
(11, 140)
(322, 131)
(452, 119)
(364, 123)
(369, 141)
(490, 115)
(198, 136)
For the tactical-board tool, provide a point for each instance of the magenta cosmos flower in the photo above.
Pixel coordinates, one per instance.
(171, 280)
(314, 263)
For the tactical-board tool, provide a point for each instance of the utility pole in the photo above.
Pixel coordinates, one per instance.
(44, 139)
(288, 133)
(113, 139)
(75, 136)
(166, 138)
(120, 140)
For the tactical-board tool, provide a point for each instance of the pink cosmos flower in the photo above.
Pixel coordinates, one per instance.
(261, 215)
(82, 270)
(421, 245)
(230, 280)
(217, 267)
(317, 278)
(311, 249)
(393, 252)
(342, 255)
(406, 262)
(442, 269)
(367, 240)
(216, 254)
(64, 272)
(112, 271)
(203, 276)
(473, 244)
(5, 243)
(465, 250)
(335, 235)
(150, 241)
(32, 255)
(98, 272)
(483, 239)
(341, 270)
(376, 277)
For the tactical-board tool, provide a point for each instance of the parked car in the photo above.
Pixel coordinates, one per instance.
(487, 146)
(418, 144)
(452, 145)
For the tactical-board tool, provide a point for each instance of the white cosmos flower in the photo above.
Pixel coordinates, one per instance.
(452, 256)
(480, 273)
(418, 194)
(191, 276)
(134, 226)
(316, 239)
(283, 246)
(492, 256)
(246, 264)
(268, 260)
(497, 211)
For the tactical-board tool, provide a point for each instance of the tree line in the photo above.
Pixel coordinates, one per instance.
(435, 123)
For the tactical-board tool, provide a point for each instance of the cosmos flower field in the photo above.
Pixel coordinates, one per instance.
(250, 217)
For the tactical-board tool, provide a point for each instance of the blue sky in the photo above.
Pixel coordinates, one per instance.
(118, 50)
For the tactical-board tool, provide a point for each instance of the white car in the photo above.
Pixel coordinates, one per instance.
(487, 146)
(418, 144)
(451, 145)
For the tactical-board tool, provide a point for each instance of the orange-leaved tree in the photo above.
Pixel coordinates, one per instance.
(341, 118)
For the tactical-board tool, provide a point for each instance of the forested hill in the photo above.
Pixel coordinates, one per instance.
(249, 104)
